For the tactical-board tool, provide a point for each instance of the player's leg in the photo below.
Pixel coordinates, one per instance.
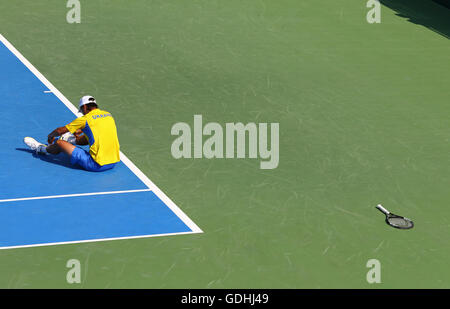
(77, 155)
(61, 146)
(53, 149)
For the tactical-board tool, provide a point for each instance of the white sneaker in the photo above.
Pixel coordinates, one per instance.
(35, 145)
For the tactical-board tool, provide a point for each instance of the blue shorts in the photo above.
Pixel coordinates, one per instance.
(82, 158)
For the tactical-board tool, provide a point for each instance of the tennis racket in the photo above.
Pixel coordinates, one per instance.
(396, 221)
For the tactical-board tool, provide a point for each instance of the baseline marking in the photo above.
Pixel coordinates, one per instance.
(70, 195)
(95, 240)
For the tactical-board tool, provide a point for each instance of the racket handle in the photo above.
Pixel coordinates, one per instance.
(382, 209)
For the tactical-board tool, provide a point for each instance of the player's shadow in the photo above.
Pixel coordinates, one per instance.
(61, 159)
(427, 13)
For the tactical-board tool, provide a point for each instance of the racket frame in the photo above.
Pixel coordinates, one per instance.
(391, 215)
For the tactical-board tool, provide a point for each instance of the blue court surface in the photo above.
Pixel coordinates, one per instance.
(44, 199)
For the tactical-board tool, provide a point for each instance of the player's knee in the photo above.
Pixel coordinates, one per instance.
(61, 143)
(65, 146)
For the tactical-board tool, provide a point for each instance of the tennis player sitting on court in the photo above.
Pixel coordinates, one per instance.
(99, 131)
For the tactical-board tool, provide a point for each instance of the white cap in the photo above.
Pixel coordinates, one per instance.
(86, 100)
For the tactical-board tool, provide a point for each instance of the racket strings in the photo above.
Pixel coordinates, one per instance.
(400, 222)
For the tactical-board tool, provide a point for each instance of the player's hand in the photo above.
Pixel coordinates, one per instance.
(77, 133)
(51, 137)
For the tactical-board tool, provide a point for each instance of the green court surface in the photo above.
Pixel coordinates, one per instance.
(363, 111)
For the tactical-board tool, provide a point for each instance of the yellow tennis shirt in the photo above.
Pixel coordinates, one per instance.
(100, 129)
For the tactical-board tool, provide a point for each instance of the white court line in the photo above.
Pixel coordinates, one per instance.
(95, 240)
(70, 195)
(175, 209)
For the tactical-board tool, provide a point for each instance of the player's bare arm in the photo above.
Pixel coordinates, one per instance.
(55, 133)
